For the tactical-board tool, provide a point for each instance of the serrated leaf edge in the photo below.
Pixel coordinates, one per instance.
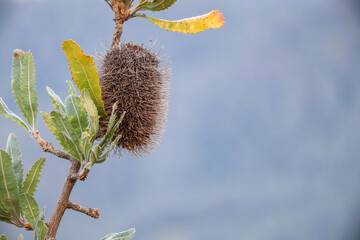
(33, 177)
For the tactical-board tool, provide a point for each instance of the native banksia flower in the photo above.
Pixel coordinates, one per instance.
(136, 78)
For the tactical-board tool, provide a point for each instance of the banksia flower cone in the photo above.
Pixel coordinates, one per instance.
(134, 77)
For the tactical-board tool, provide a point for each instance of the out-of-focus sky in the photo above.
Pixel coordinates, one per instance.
(263, 131)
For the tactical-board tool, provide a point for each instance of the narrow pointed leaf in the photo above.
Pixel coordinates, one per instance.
(107, 138)
(76, 114)
(56, 100)
(72, 90)
(13, 149)
(213, 19)
(5, 112)
(5, 216)
(110, 132)
(6, 220)
(155, 5)
(91, 112)
(64, 132)
(86, 144)
(105, 155)
(126, 235)
(40, 228)
(30, 208)
(95, 154)
(15, 76)
(33, 177)
(9, 193)
(28, 95)
(84, 73)
(21, 237)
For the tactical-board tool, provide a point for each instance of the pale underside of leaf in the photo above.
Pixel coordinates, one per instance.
(91, 112)
(40, 228)
(126, 235)
(213, 19)
(72, 90)
(56, 100)
(13, 149)
(5, 112)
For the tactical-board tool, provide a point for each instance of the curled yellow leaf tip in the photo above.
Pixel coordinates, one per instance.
(213, 19)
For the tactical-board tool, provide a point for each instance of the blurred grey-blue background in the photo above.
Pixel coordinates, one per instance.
(263, 132)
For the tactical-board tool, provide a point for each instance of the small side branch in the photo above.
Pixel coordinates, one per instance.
(48, 147)
(92, 212)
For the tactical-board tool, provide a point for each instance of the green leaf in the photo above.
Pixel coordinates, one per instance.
(110, 132)
(126, 235)
(15, 76)
(40, 228)
(3, 237)
(4, 215)
(27, 93)
(95, 154)
(21, 237)
(30, 208)
(76, 114)
(91, 112)
(72, 90)
(64, 132)
(86, 144)
(13, 149)
(84, 73)
(33, 177)
(105, 155)
(5, 112)
(213, 19)
(56, 100)
(9, 193)
(107, 137)
(155, 5)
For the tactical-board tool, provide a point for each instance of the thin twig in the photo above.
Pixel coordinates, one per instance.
(107, 1)
(48, 147)
(92, 212)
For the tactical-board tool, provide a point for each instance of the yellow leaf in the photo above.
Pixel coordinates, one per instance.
(213, 19)
(84, 73)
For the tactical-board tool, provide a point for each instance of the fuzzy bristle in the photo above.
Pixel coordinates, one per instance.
(136, 78)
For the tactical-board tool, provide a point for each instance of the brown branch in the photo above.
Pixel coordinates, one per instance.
(117, 32)
(122, 14)
(92, 212)
(63, 200)
(48, 147)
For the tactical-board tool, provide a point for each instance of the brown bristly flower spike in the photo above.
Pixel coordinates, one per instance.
(135, 77)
